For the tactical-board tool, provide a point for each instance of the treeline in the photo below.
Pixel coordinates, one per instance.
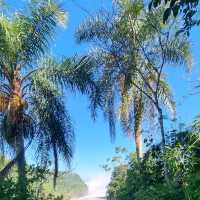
(124, 74)
(39, 185)
(134, 44)
(170, 174)
(133, 48)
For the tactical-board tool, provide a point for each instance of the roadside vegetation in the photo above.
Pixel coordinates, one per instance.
(124, 75)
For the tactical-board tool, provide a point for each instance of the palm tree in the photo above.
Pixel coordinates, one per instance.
(31, 87)
(131, 48)
(135, 106)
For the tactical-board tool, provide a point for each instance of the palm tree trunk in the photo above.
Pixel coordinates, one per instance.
(138, 142)
(21, 164)
(161, 123)
(163, 142)
(56, 164)
(138, 114)
(15, 110)
(5, 171)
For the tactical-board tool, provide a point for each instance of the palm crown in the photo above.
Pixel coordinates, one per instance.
(131, 47)
(31, 87)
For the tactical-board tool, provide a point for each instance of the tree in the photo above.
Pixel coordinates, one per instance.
(135, 105)
(186, 9)
(146, 180)
(31, 87)
(132, 48)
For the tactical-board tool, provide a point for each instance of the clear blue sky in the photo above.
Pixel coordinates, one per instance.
(93, 144)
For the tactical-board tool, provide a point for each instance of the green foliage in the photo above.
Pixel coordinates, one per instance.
(9, 187)
(131, 48)
(33, 83)
(187, 10)
(118, 180)
(40, 185)
(172, 173)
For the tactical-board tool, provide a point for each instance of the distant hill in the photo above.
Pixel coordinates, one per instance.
(68, 185)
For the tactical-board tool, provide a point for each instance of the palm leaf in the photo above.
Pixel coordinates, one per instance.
(177, 51)
(55, 130)
(94, 28)
(36, 31)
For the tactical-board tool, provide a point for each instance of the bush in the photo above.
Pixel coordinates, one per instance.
(35, 179)
(164, 174)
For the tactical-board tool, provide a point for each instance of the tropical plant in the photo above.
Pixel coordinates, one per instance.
(147, 180)
(31, 87)
(36, 177)
(185, 10)
(132, 48)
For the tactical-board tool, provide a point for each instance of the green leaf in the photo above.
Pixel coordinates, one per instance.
(150, 5)
(172, 3)
(166, 14)
(156, 3)
(175, 10)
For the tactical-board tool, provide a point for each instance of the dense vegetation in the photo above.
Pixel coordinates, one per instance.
(170, 174)
(132, 47)
(40, 185)
(32, 87)
(124, 74)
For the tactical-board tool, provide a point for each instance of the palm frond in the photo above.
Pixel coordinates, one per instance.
(70, 73)
(94, 28)
(110, 114)
(177, 51)
(8, 46)
(54, 124)
(36, 30)
(166, 98)
(75, 74)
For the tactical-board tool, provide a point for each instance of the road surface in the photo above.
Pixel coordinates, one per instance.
(92, 198)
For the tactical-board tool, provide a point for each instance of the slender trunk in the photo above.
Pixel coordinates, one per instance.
(21, 164)
(162, 130)
(161, 121)
(138, 143)
(16, 120)
(138, 113)
(56, 164)
(5, 171)
(163, 142)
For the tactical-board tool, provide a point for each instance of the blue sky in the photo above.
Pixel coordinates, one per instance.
(93, 143)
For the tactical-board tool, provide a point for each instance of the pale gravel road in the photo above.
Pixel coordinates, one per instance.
(92, 198)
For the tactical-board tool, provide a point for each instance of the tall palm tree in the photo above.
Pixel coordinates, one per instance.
(136, 107)
(31, 87)
(130, 48)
